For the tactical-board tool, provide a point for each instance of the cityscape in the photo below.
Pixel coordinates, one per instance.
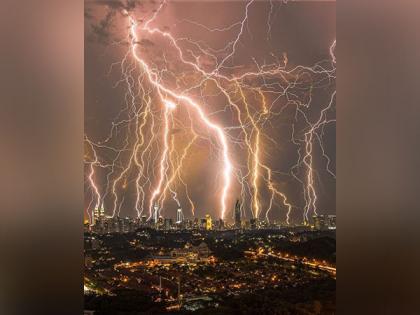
(106, 224)
(207, 267)
(209, 157)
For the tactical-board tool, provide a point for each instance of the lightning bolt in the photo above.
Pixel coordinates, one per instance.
(154, 98)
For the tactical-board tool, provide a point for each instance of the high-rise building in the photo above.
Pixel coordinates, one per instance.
(203, 223)
(143, 220)
(320, 222)
(131, 226)
(220, 224)
(209, 224)
(155, 213)
(253, 223)
(237, 214)
(331, 222)
(188, 224)
(96, 214)
(120, 225)
(168, 223)
(160, 222)
(179, 216)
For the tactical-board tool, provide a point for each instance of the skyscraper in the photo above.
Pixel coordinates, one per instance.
(237, 214)
(220, 225)
(209, 224)
(95, 214)
(98, 213)
(320, 222)
(253, 223)
(160, 222)
(155, 213)
(179, 216)
(143, 219)
(331, 222)
(167, 223)
(203, 223)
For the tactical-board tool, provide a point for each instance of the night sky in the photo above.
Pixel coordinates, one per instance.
(301, 32)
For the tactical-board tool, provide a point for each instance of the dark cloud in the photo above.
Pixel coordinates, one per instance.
(101, 31)
(132, 4)
(128, 5)
(112, 4)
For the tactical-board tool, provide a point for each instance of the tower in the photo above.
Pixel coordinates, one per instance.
(203, 223)
(143, 219)
(209, 224)
(160, 223)
(237, 214)
(179, 216)
(167, 223)
(96, 213)
(155, 213)
(253, 223)
(221, 224)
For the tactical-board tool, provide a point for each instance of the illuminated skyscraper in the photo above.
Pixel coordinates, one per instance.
(155, 213)
(237, 214)
(209, 224)
(160, 222)
(98, 213)
(179, 216)
(188, 224)
(143, 219)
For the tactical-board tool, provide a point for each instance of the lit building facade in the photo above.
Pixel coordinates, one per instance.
(209, 225)
(155, 213)
(179, 216)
